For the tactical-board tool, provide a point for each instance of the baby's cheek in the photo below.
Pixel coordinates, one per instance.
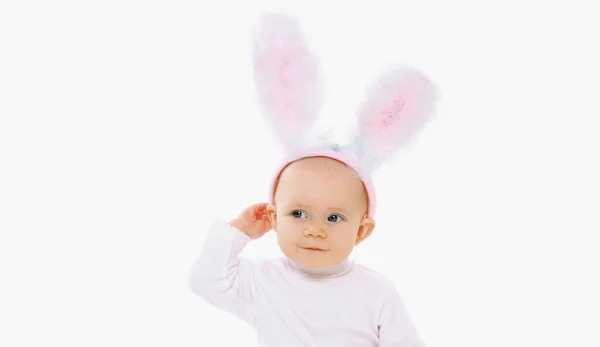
(285, 234)
(348, 243)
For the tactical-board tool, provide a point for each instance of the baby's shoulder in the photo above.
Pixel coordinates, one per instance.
(372, 275)
(372, 280)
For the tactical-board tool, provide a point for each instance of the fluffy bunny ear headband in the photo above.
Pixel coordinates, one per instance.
(286, 75)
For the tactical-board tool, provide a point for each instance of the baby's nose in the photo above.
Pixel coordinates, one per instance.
(315, 231)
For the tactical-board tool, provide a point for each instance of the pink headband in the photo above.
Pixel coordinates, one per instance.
(286, 75)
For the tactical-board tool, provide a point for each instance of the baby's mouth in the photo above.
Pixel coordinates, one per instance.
(313, 249)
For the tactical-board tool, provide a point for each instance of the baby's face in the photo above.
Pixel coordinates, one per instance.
(319, 212)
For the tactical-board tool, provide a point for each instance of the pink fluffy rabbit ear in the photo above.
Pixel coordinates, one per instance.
(287, 78)
(396, 107)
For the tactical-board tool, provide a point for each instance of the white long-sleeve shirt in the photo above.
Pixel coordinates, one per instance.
(348, 305)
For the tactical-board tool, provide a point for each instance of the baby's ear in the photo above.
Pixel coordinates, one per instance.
(365, 230)
(287, 78)
(272, 214)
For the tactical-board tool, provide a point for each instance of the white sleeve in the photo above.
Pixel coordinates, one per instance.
(395, 326)
(220, 276)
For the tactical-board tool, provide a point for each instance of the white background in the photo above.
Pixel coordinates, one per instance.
(126, 126)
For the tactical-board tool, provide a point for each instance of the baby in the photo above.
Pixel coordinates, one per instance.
(322, 203)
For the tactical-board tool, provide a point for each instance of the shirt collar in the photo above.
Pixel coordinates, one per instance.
(324, 273)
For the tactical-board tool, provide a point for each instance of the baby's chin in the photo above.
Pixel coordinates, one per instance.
(311, 259)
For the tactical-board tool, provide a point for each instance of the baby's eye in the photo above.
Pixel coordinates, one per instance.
(335, 218)
(298, 214)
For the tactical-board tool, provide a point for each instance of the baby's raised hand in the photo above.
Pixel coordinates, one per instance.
(253, 221)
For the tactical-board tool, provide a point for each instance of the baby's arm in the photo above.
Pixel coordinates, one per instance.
(220, 276)
(395, 327)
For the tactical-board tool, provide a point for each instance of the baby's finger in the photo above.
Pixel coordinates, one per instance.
(260, 208)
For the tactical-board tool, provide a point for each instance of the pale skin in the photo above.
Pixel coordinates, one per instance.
(319, 213)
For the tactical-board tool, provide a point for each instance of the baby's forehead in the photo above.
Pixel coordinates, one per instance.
(320, 180)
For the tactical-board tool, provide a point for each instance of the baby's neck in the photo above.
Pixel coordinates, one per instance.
(328, 272)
